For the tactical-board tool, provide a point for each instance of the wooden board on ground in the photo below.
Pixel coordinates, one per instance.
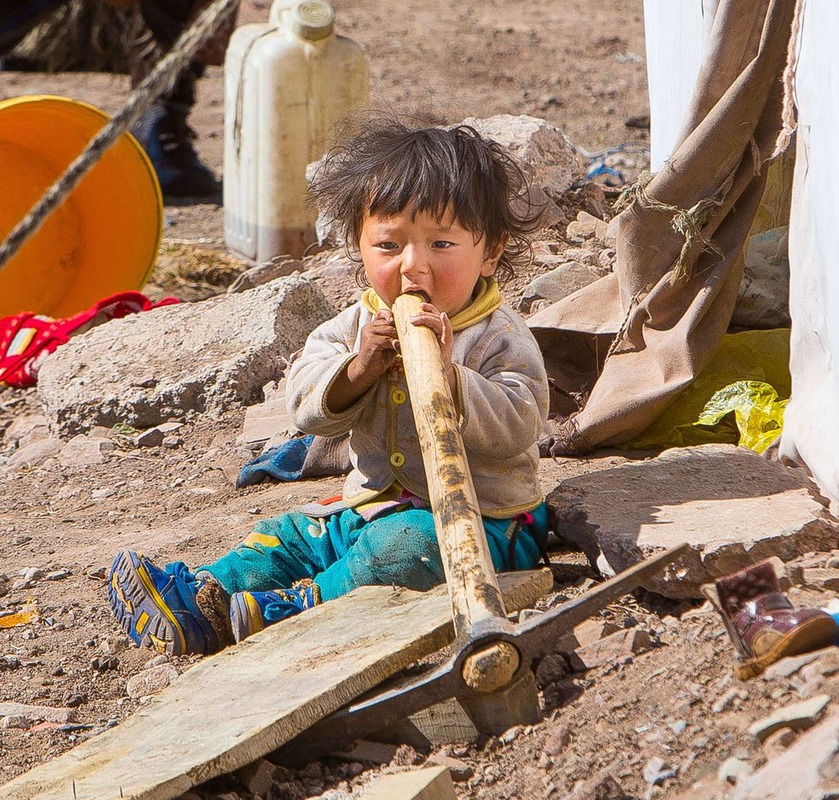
(246, 701)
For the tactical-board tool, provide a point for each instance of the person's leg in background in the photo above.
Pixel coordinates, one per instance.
(163, 130)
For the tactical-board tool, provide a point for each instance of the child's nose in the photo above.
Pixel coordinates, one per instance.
(411, 259)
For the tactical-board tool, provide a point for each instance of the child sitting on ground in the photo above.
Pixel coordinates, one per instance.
(428, 210)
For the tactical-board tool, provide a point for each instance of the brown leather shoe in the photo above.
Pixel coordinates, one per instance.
(762, 623)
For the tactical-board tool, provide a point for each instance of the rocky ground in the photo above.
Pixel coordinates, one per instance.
(643, 704)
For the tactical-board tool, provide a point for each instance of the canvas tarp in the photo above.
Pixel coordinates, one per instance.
(622, 349)
(811, 422)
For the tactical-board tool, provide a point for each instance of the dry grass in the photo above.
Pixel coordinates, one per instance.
(193, 272)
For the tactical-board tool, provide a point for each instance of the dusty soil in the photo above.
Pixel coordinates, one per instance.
(578, 64)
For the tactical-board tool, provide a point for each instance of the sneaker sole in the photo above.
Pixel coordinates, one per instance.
(140, 609)
(245, 616)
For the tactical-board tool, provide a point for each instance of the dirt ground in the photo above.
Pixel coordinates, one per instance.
(578, 64)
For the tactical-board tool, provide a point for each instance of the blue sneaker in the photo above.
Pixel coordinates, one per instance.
(157, 608)
(250, 612)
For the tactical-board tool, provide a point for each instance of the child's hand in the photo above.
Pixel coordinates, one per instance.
(440, 323)
(377, 350)
(378, 347)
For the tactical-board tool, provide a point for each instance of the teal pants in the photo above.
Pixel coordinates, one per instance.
(344, 551)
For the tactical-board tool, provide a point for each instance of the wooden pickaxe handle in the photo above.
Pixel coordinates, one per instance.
(473, 586)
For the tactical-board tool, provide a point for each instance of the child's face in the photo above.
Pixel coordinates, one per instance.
(409, 252)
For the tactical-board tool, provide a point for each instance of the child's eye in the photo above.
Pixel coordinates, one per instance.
(387, 246)
(442, 244)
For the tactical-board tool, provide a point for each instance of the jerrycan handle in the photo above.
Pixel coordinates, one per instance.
(277, 13)
(310, 19)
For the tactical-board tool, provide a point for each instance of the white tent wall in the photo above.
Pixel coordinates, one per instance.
(811, 422)
(676, 32)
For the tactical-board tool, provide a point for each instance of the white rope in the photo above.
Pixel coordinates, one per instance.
(154, 84)
(788, 117)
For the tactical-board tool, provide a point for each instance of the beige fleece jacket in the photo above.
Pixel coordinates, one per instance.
(503, 398)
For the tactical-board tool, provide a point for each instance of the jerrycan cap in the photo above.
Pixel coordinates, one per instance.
(312, 19)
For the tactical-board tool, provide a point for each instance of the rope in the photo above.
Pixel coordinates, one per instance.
(687, 222)
(624, 326)
(138, 101)
(788, 119)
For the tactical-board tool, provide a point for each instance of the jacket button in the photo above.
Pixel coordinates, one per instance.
(397, 459)
(399, 396)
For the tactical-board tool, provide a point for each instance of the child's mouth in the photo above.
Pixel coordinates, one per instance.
(420, 292)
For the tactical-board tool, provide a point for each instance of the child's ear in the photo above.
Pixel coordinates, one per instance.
(494, 255)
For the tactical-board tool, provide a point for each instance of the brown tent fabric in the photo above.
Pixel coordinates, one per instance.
(620, 350)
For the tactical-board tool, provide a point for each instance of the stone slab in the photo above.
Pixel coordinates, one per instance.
(266, 420)
(30, 712)
(797, 716)
(731, 506)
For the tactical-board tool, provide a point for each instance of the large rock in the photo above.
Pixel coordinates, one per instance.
(560, 282)
(544, 151)
(150, 367)
(731, 506)
(35, 453)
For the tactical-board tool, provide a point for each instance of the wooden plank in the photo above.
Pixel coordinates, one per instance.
(236, 706)
(431, 783)
(444, 723)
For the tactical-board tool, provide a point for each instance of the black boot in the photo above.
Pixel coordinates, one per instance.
(167, 139)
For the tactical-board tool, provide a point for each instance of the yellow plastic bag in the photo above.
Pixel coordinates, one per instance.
(758, 413)
(761, 355)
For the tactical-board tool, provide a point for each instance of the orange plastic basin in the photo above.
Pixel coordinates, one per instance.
(102, 239)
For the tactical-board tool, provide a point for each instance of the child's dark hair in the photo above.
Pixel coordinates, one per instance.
(388, 166)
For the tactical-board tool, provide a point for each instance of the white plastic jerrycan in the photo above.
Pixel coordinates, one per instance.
(288, 83)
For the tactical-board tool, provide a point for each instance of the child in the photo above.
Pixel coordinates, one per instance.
(431, 210)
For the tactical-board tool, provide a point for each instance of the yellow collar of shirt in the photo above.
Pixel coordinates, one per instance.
(487, 298)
